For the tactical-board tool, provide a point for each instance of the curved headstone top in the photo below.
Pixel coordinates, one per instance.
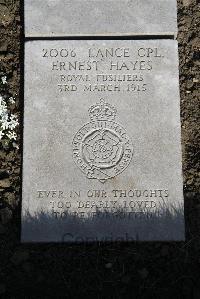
(62, 18)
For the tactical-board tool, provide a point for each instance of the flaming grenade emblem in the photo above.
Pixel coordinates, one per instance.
(102, 148)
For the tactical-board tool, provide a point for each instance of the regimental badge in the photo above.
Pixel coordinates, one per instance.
(102, 148)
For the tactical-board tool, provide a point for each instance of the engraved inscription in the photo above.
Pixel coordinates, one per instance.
(102, 148)
(103, 70)
(126, 203)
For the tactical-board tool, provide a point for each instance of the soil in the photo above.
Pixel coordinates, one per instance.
(134, 270)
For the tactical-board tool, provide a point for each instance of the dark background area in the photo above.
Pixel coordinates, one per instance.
(118, 270)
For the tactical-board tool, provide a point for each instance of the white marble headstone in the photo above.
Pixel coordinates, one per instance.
(102, 141)
(56, 18)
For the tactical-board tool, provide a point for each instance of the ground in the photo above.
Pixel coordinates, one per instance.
(134, 270)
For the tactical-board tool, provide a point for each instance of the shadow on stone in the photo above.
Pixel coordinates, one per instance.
(163, 225)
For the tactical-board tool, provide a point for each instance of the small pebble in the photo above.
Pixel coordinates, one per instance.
(143, 273)
(108, 265)
(19, 257)
(5, 183)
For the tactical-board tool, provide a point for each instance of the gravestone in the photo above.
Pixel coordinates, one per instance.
(50, 18)
(102, 139)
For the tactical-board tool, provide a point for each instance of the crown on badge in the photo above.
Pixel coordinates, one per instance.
(102, 112)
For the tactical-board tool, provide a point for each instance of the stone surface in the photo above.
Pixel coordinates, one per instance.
(100, 17)
(102, 142)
